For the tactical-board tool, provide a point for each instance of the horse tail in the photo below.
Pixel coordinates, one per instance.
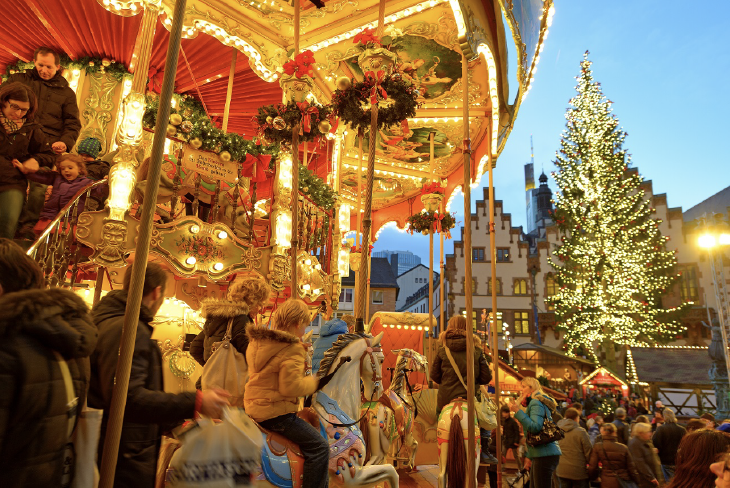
(364, 428)
(456, 470)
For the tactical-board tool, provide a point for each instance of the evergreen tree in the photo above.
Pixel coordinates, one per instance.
(612, 266)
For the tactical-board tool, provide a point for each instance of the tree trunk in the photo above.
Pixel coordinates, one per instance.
(610, 351)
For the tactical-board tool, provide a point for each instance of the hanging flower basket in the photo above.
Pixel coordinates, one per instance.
(275, 122)
(432, 201)
(426, 222)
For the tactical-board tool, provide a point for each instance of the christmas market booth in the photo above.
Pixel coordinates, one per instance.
(562, 371)
(604, 380)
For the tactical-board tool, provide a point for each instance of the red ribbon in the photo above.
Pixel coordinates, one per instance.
(376, 79)
(307, 112)
(254, 167)
(437, 222)
(155, 80)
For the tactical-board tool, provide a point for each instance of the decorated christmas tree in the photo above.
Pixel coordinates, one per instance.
(612, 267)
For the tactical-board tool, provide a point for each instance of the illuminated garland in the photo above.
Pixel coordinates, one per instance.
(90, 64)
(612, 265)
(425, 222)
(275, 122)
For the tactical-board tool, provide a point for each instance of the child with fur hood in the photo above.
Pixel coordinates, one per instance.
(276, 364)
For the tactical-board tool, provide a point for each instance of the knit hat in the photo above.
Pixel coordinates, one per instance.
(89, 146)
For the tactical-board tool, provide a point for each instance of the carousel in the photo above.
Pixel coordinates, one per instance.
(278, 138)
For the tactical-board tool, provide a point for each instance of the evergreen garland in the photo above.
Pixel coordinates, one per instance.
(422, 222)
(292, 116)
(349, 104)
(91, 64)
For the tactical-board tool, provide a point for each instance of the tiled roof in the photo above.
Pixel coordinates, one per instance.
(718, 203)
(381, 275)
(669, 365)
(529, 346)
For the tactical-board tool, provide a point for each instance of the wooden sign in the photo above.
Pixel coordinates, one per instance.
(210, 165)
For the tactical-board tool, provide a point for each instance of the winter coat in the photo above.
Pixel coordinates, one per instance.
(532, 418)
(34, 414)
(450, 387)
(149, 411)
(217, 313)
(576, 449)
(511, 437)
(594, 432)
(58, 111)
(63, 191)
(615, 460)
(27, 142)
(328, 334)
(666, 439)
(646, 462)
(276, 365)
(622, 431)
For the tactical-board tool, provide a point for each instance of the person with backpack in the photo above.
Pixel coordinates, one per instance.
(614, 459)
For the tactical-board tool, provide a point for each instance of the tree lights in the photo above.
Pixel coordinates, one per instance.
(612, 265)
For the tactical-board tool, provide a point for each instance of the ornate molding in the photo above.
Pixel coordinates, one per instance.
(98, 107)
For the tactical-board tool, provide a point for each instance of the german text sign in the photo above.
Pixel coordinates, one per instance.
(210, 165)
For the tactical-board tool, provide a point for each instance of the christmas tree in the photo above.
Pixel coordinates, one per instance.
(612, 266)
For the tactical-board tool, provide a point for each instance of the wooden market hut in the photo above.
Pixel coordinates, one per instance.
(540, 359)
(605, 379)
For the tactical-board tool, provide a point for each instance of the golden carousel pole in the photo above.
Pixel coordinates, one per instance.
(229, 92)
(495, 332)
(471, 414)
(358, 229)
(367, 223)
(430, 254)
(139, 267)
(295, 174)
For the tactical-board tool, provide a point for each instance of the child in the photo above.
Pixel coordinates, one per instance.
(96, 169)
(67, 182)
(276, 363)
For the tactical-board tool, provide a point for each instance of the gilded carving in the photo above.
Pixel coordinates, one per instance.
(110, 251)
(456, 94)
(279, 19)
(251, 258)
(280, 271)
(98, 106)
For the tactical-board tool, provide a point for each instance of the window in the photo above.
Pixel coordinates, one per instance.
(520, 286)
(377, 297)
(477, 254)
(503, 255)
(346, 295)
(551, 288)
(489, 286)
(500, 324)
(522, 323)
(688, 285)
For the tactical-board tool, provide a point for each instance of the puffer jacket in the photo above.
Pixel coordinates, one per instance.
(576, 449)
(615, 461)
(539, 407)
(150, 411)
(63, 192)
(328, 334)
(442, 372)
(58, 111)
(646, 462)
(276, 380)
(27, 142)
(33, 399)
(217, 313)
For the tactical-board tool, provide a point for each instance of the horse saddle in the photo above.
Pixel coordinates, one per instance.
(282, 463)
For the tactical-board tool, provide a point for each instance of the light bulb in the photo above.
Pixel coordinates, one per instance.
(191, 260)
(218, 266)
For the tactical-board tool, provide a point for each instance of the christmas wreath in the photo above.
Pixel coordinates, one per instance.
(276, 122)
(90, 64)
(425, 222)
(351, 101)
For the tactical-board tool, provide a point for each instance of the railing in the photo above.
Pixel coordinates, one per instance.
(56, 249)
(315, 231)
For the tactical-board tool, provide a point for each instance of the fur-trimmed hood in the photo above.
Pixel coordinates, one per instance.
(213, 307)
(57, 318)
(261, 333)
(455, 339)
(545, 400)
(265, 343)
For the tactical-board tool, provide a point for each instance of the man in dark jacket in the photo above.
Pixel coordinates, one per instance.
(622, 429)
(34, 402)
(58, 114)
(510, 435)
(149, 411)
(666, 439)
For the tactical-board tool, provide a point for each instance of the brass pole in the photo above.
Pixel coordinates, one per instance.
(495, 331)
(442, 311)
(471, 415)
(143, 47)
(359, 192)
(430, 254)
(99, 283)
(295, 175)
(229, 93)
(139, 267)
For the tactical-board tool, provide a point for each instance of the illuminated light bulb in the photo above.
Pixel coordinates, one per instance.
(87, 291)
(191, 260)
(218, 266)
(316, 291)
(308, 262)
(398, 326)
(191, 32)
(194, 229)
(306, 286)
(724, 239)
(420, 327)
(707, 241)
(222, 234)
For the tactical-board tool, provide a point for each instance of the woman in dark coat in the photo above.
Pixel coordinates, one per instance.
(615, 460)
(443, 373)
(35, 325)
(644, 456)
(23, 149)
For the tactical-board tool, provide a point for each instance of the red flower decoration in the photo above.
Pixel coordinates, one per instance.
(434, 187)
(300, 65)
(367, 36)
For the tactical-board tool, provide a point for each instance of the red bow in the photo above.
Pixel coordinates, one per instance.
(254, 167)
(307, 112)
(155, 80)
(377, 90)
(437, 221)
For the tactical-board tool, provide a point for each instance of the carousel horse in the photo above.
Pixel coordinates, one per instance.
(388, 423)
(334, 411)
(453, 435)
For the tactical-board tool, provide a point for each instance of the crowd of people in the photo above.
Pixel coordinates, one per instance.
(40, 125)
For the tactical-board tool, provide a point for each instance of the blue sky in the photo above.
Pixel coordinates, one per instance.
(665, 65)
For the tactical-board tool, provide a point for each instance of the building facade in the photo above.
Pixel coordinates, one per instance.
(384, 290)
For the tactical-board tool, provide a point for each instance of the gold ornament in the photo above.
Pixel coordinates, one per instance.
(279, 123)
(186, 126)
(91, 63)
(171, 130)
(196, 143)
(176, 119)
(305, 189)
(188, 112)
(267, 141)
(343, 83)
(105, 62)
(324, 127)
(225, 156)
(269, 119)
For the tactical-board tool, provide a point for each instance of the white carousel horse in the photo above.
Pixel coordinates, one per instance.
(453, 435)
(336, 420)
(388, 423)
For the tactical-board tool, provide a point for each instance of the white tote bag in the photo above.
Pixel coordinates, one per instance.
(217, 454)
(226, 369)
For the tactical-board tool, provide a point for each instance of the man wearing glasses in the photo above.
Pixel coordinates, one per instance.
(58, 113)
